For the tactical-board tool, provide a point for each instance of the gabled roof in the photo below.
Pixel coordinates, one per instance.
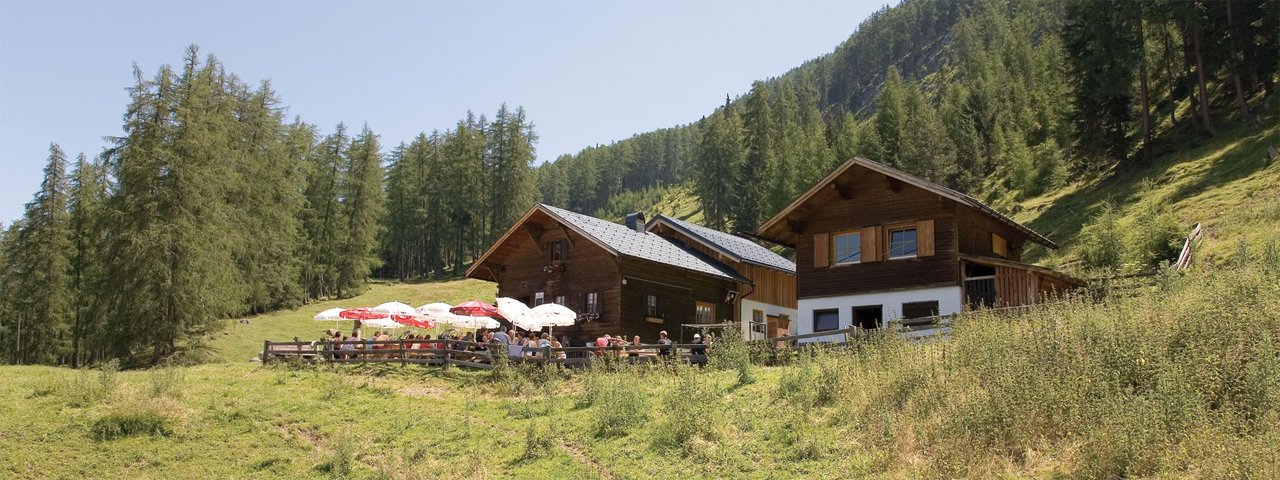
(732, 246)
(905, 178)
(617, 239)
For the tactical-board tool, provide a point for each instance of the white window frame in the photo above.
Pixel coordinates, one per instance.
(539, 298)
(889, 237)
(835, 250)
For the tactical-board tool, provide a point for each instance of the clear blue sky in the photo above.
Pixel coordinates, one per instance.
(587, 72)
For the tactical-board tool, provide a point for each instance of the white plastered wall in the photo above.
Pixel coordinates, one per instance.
(747, 306)
(948, 299)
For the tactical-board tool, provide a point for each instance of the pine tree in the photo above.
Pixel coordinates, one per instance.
(88, 191)
(510, 157)
(750, 182)
(40, 295)
(719, 158)
(1104, 48)
(364, 210)
(322, 217)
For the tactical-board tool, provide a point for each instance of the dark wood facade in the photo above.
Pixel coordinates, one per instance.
(523, 264)
(767, 285)
(869, 199)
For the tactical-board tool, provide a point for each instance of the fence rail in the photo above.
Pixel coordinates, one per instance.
(474, 354)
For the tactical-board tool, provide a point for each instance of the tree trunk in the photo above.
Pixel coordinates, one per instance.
(1146, 100)
(1235, 74)
(1204, 93)
(1168, 69)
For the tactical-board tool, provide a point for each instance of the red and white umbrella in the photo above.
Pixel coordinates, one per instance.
(476, 308)
(362, 314)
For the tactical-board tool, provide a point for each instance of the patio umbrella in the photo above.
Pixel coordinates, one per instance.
(470, 322)
(476, 308)
(551, 315)
(395, 308)
(361, 314)
(514, 311)
(330, 314)
(383, 322)
(430, 308)
(414, 320)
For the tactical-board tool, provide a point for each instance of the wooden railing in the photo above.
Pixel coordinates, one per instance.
(474, 354)
(1184, 257)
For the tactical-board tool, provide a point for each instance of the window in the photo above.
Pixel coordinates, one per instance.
(999, 246)
(912, 310)
(902, 242)
(848, 248)
(539, 298)
(651, 305)
(557, 250)
(868, 316)
(705, 313)
(824, 320)
(560, 300)
(593, 302)
(757, 316)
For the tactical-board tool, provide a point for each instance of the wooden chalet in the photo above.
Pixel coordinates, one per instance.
(625, 279)
(875, 244)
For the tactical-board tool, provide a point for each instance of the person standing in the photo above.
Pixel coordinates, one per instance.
(664, 344)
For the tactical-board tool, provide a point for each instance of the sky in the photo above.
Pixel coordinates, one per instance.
(586, 72)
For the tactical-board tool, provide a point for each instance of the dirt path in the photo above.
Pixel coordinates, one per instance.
(580, 454)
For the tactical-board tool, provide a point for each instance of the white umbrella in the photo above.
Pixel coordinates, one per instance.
(434, 308)
(382, 323)
(464, 321)
(516, 312)
(551, 315)
(395, 308)
(330, 314)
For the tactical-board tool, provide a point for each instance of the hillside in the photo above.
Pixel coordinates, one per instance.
(1178, 380)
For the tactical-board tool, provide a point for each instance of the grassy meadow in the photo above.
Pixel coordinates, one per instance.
(1181, 379)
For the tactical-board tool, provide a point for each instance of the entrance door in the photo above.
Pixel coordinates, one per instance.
(868, 316)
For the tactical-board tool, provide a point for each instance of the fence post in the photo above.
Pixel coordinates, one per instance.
(266, 349)
(447, 356)
(403, 360)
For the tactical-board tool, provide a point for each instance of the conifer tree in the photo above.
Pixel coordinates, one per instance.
(719, 158)
(88, 191)
(364, 210)
(39, 294)
(750, 183)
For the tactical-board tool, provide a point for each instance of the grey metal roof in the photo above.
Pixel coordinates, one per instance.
(744, 250)
(643, 245)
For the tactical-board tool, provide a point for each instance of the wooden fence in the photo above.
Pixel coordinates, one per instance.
(475, 354)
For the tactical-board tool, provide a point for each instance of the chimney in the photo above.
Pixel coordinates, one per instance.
(635, 221)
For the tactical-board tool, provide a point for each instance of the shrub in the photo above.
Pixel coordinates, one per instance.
(732, 352)
(618, 405)
(166, 382)
(538, 441)
(131, 421)
(688, 410)
(1101, 241)
(1155, 237)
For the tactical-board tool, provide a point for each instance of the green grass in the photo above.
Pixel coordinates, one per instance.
(1224, 183)
(1180, 380)
(242, 339)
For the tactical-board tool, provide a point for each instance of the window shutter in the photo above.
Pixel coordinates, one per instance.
(999, 246)
(870, 244)
(821, 250)
(924, 238)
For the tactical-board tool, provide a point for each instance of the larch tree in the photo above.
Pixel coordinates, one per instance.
(364, 209)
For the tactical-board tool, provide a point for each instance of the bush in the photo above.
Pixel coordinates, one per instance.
(688, 410)
(136, 420)
(1155, 237)
(732, 352)
(1101, 241)
(538, 441)
(166, 382)
(618, 405)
